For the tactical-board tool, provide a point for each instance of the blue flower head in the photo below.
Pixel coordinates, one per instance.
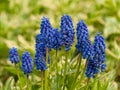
(40, 55)
(40, 38)
(47, 31)
(14, 57)
(27, 64)
(98, 62)
(82, 35)
(56, 39)
(84, 45)
(87, 49)
(45, 26)
(67, 32)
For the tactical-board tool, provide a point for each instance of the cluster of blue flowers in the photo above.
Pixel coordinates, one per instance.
(84, 45)
(14, 56)
(40, 53)
(47, 31)
(95, 54)
(97, 63)
(51, 38)
(27, 64)
(67, 32)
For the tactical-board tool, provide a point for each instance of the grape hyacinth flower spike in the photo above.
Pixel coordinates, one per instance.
(47, 31)
(98, 62)
(14, 57)
(84, 45)
(67, 32)
(27, 66)
(40, 55)
(27, 63)
(82, 34)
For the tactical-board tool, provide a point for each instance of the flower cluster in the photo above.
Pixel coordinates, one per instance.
(84, 45)
(67, 32)
(47, 31)
(45, 26)
(87, 49)
(14, 57)
(97, 63)
(51, 38)
(27, 64)
(40, 56)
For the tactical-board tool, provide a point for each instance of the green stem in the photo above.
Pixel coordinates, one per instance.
(65, 70)
(42, 76)
(46, 71)
(28, 87)
(77, 73)
(20, 85)
(98, 86)
(87, 86)
(83, 71)
(56, 68)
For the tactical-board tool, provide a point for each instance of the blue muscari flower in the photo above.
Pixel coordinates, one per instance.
(67, 32)
(27, 63)
(82, 35)
(40, 38)
(84, 45)
(98, 62)
(87, 49)
(56, 39)
(40, 55)
(14, 57)
(45, 26)
(47, 31)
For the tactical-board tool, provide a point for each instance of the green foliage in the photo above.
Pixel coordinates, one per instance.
(20, 22)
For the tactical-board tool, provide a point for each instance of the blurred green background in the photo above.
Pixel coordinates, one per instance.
(20, 22)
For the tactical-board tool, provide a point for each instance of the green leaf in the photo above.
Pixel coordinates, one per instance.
(111, 26)
(112, 86)
(104, 87)
(11, 69)
(9, 83)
